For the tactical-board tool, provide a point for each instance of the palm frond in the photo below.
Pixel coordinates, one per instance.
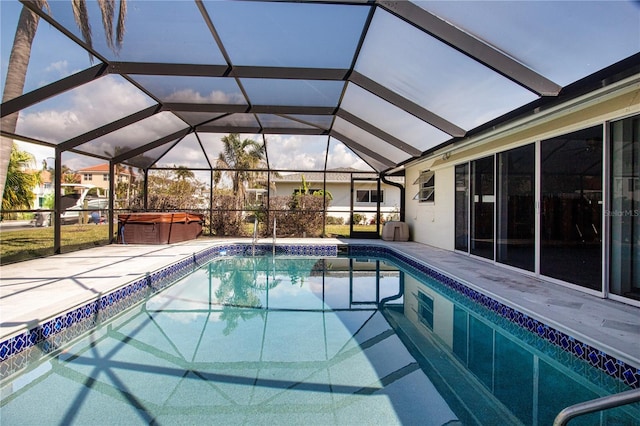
(120, 30)
(81, 16)
(107, 9)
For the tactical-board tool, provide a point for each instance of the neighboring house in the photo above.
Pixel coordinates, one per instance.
(42, 190)
(99, 176)
(338, 184)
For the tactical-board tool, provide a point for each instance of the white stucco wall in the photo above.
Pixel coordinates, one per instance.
(432, 223)
(341, 192)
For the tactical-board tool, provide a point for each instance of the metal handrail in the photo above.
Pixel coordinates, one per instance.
(274, 236)
(255, 236)
(599, 404)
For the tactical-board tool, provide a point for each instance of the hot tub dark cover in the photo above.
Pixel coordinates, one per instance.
(158, 228)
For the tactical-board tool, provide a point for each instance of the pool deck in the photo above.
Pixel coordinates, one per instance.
(35, 291)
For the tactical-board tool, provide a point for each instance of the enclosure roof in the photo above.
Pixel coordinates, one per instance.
(317, 82)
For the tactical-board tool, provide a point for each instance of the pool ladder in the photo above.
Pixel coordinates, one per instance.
(255, 237)
(599, 404)
(273, 244)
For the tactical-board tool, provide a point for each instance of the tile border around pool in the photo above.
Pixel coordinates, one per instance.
(52, 334)
(618, 369)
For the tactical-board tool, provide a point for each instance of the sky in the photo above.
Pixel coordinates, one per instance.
(562, 40)
(55, 120)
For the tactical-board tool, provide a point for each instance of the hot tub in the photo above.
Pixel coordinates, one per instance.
(158, 228)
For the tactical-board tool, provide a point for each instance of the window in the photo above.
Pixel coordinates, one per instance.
(105, 177)
(375, 198)
(426, 192)
(88, 176)
(369, 196)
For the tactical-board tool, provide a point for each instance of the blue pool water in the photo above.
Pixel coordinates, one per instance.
(306, 340)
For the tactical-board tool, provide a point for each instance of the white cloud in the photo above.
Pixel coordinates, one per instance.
(216, 96)
(296, 152)
(111, 98)
(61, 68)
(80, 110)
(340, 156)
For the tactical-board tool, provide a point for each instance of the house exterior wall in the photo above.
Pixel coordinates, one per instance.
(42, 190)
(98, 179)
(98, 176)
(433, 223)
(340, 205)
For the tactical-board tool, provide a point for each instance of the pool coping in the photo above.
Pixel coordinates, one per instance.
(51, 333)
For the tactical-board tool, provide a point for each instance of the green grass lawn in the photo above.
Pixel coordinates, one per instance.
(32, 243)
(38, 242)
(343, 230)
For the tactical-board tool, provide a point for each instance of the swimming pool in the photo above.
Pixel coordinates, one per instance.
(303, 340)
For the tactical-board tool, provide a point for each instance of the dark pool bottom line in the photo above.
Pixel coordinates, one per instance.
(16, 352)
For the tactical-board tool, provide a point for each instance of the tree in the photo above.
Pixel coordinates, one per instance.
(18, 193)
(21, 53)
(182, 173)
(168, 193)
(239, 157)
(69, 176)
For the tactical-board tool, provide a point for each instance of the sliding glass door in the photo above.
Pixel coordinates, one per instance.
(515, 244)
(462, 207)
(496, 216)
(571, 203)
(482, 207)
(624, 212)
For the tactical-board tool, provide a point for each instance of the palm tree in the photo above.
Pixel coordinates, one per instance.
(182, 173)
(18, 192)
(21, 53)
(239, 157)
(69, 176)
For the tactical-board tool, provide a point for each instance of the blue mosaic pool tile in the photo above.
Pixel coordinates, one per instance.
(5, 349)
(18, 343)
(611, 366)
(595, 358)
(578, 349)
(631, 376)
(565, 343)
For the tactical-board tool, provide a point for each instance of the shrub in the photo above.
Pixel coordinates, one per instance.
(332, 220)
(298, 215)
(358, 218)
(225, 221)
